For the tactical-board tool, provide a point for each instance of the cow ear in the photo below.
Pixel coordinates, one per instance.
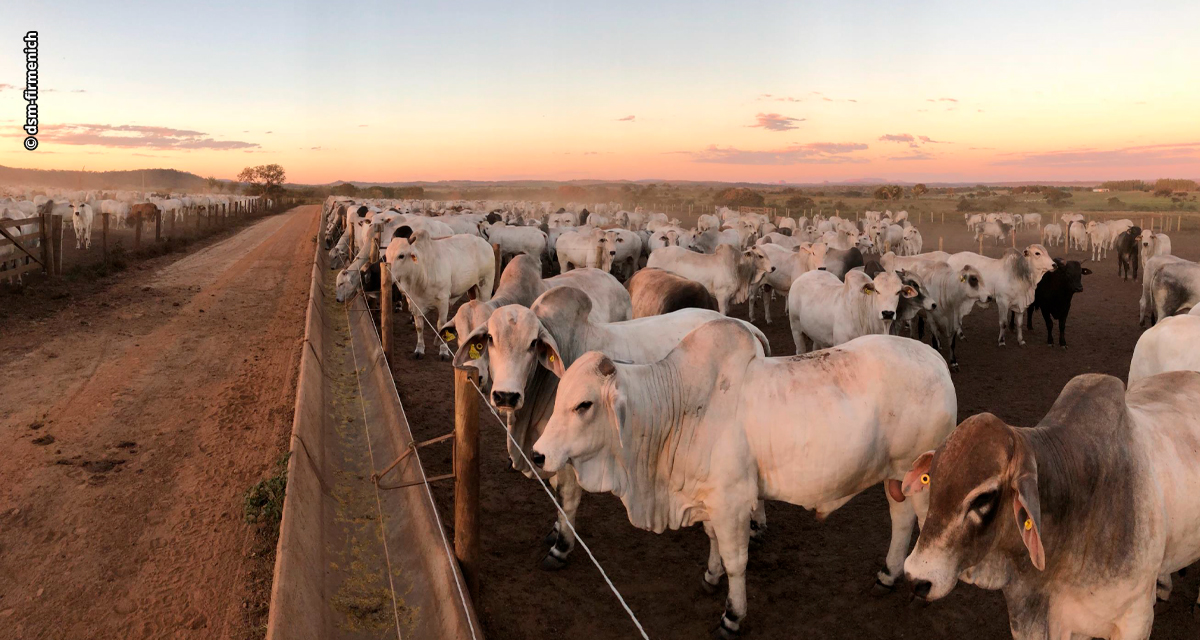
(868, 288)
(473, 347)
(618, 409)
(1087, 271)
(548, 355)
(908, 291)
(917, 478)
(1028, 512)
(404, 232)
(1027, 253)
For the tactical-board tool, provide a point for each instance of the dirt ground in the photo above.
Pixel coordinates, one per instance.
(810, 578)
(135, 412)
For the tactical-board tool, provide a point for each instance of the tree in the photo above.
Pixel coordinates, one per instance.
(344, 189)
(965, 205)
(1163, 192)
(233, 186)
(882, 193)
(213, 183)
(1115, 202)
(800, 203)
(919, 189)
(735, 197)
(266, 179)
(1056, 197)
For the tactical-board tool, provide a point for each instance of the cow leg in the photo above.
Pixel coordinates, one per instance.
(1029, 318)
(1003, 309)
(1020, 333)
(749, 303)
(714, 571)
(419, 324)
(903, 520)
(758, 522)
(569, 494)
(443, 311)
(733, 541)
(1049, 320)
(766, 298)
(723, 308)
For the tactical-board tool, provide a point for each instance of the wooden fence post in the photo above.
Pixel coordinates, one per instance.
(466, 475)
(385, 309)
(940, 243)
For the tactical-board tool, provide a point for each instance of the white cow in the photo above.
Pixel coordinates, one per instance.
(1100, 238)
(825, 312)
(1077, 236)
(1052, 235)
(434, 273)
(579, 248)
(514, 240)
(1151, 244)
(1010, 280)
(702, 435)
(82, 216)
(728, 274)
(525, 350)
(1171, 345)
(787, 265)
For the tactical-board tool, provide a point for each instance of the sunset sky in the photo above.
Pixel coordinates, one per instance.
(771, 91)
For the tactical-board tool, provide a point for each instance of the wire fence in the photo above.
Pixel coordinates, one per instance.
(545, 487)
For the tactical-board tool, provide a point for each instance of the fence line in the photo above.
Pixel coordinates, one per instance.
(637, 623)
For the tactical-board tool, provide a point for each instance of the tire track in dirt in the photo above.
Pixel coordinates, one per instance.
(167, 397)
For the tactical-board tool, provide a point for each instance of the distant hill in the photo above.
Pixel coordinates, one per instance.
(156, 179)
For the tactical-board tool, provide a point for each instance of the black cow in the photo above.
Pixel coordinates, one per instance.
(1127, 252)
(1053, 297)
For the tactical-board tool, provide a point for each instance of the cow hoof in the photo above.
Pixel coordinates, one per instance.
(551, 538)
(1020, 343)
(443, 356)
(953, 367)
(710, 588)
(723, 633)
(1000, 342)
(417, 355)
(879, 589)
(552, 563)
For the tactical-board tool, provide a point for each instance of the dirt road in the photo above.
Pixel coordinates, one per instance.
(131, 422)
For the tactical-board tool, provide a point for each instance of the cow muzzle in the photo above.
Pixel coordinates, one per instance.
(888, 315)
(538, 458)
(506, 399)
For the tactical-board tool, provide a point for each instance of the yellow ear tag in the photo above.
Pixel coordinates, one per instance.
(414, 258)
(1028, 524)
(449, 335)
(473, 351)
(962, 278)
(924, 478)
(552, 357)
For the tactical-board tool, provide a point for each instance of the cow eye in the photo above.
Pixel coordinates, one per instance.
(984, 502)
(533, 345)
(583, 406)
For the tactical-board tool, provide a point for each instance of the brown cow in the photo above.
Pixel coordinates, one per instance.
(655, 292)
(1075, 520)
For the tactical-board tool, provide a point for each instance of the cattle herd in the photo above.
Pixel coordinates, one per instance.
(604, 342)
(81, 211)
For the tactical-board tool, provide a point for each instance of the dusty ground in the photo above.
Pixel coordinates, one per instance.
(133, 418)
(810, 579)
